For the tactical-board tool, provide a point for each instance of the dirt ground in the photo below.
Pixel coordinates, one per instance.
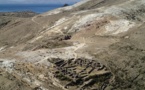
(92, 45)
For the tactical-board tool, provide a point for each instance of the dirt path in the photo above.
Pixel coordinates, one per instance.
(77, 48)
(33, 20)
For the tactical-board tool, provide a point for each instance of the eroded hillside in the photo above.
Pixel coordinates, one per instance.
(92, 45)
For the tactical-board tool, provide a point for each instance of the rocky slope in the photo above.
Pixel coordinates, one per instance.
(92, 45)
(11, 17)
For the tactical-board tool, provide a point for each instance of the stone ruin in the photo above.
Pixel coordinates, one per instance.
(82, 73)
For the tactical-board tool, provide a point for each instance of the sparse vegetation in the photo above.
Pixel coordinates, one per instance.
(93, 45)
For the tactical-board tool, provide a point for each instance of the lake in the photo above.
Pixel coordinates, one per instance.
(35, 8)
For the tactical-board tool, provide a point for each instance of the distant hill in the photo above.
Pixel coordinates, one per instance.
(65, 5)
(18, 14)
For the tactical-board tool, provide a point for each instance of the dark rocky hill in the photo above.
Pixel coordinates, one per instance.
(23, 14)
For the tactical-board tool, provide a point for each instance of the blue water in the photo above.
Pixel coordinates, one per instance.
(34, 8)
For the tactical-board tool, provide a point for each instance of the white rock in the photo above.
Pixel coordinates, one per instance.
(118, 26)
